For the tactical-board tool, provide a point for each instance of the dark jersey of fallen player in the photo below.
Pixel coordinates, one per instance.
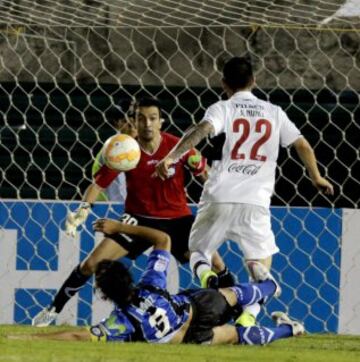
(150, 196)
(154, 313)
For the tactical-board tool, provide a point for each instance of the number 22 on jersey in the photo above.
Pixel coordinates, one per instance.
(262, 127)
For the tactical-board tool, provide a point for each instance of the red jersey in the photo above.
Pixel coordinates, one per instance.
(151, 196)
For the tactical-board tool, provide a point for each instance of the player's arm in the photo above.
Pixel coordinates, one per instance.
(307, 156)
(159, 239)
(202, 177)
(79, 216)
(92, 193)
(196, 163)
(73, 335)
(159, 259)
(187, 142)
(102, 179)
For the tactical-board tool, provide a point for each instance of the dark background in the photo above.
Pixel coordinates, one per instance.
(49, 135)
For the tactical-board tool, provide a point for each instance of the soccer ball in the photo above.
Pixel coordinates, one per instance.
(121, 152)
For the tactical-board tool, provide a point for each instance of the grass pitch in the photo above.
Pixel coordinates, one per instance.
(314, 348)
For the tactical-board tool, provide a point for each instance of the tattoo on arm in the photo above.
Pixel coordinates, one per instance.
(191, 139)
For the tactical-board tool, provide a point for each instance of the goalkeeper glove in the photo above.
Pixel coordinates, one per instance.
(196, 162)
(74, 219)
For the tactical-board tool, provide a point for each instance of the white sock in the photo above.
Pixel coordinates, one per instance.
(199, 263)
(253, 309)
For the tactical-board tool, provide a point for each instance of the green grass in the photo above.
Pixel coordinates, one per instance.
(314, 348)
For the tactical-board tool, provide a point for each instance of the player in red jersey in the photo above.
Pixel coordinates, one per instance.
(150, 202)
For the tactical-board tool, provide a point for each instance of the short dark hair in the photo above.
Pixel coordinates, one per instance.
(237, 73)
(149, 102)
(114, 281)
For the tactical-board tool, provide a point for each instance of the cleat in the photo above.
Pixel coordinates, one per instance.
(209, 279)
(45, 317)
(282, 318)
(246, 319)
(260, 273)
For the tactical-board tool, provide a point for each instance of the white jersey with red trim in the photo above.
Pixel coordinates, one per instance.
(254, 131)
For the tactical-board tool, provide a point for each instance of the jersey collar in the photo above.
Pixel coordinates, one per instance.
(155, 150)
(243, 95)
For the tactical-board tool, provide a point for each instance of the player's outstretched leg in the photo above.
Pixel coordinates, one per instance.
(45, 317)
(286, 327)
(201, 267)
(281, 318)
(106, 249)
(247, 315)
(70, 287)
(260, 273)
(255, 293)
(225, 278)
(251, 293)
(248, 296)
(212, 272)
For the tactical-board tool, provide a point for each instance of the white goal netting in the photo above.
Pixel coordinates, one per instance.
(65, 64)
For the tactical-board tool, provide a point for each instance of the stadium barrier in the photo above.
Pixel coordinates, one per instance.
(318, 265)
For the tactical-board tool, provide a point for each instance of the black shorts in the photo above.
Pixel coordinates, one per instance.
(210, 309)
(178, 229)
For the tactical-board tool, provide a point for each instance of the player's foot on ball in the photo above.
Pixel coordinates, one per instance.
(260, 273)
(282, 318)
(45, 317)
(209, 279)
(246, 319)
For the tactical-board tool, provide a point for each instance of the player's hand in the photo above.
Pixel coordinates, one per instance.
(162, 168)
(322, 184)
(194, 160)
(197, 163)
(74, 219)
(107, 226)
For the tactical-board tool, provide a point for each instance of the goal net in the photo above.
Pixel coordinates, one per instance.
(66, 64)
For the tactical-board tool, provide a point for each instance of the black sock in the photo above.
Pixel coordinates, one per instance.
(70, 287)
(226, 279)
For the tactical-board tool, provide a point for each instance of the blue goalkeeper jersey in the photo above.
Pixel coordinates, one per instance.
(159, 315)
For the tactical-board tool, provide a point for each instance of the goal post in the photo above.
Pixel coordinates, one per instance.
(63, 68)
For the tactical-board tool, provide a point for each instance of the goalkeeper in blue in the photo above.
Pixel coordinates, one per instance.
(147, 312)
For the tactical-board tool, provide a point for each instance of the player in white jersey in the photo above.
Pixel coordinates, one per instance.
(236, 198)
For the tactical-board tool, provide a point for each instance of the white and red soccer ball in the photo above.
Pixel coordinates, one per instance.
(121, 152)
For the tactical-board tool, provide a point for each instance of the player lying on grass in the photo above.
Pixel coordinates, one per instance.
(147, 312)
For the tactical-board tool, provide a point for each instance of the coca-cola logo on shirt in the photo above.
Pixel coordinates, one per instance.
(249, 170)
